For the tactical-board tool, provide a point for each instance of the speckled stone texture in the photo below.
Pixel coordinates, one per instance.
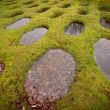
(18, 24)
(102, 56)
(74, 29)
(105, 23)
(33, 36)
(50, 77)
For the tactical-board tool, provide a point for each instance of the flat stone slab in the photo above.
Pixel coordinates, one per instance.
(50, 78)
(74, 29)
(105, 23)
(33, 36)
(102, 56)
(18, 24)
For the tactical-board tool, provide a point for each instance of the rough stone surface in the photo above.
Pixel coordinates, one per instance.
(33, 36)
(102, 56)
(50, 77)
(105, 23)
(18, 24)
(74, 29)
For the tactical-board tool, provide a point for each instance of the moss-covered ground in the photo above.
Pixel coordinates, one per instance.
(90, 89)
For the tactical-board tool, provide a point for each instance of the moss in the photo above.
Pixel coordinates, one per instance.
(64, 5)
(90, 89)
(56, 13)
(43, 9)
(26, 2)
(53, 2)
(33, 5)
(45, 1)
(13, 13)
(83, 11)
(85, 3)
(102, 6)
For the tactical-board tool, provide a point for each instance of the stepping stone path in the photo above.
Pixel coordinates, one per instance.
(102, 56)
(105, 23)
(33, 36)
(49, 79)
(74, 29)
(18, 24)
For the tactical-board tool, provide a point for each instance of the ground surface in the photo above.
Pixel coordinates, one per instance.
(90, 89)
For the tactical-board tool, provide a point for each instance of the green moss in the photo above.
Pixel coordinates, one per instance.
(102, 6)
(90, 89)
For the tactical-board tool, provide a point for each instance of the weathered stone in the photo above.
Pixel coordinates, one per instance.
(74, 29)
(102, 56)
(18, 24)
(49, 78)
(105, 23)
(33, 36)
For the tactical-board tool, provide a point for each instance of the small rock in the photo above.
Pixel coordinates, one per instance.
(18, 24)
(74, 29)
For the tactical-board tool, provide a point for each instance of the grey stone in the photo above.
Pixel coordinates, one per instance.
(74, 29)
(105, 23)
(50, 77)
(102, 56)
(18, 24)
(33, 36)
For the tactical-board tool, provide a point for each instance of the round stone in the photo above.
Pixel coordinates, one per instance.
(49, 78)
(33, 36)
(74, 29)
(18, 24)
(102, 56)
